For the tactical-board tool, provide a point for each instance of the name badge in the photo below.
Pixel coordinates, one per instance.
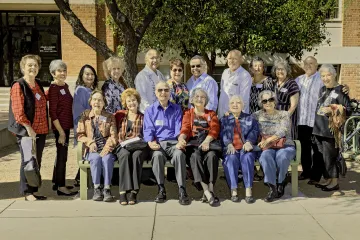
(159, 123)
(259, 85)
(248, 123)
(37, 96)
(62, 91)
(102, 119)
(209, 118)
(334, 95)
(284, 90)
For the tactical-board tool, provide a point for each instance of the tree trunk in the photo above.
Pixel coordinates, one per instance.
(130, 54)
(211, 62)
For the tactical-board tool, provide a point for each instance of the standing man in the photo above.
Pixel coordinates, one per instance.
(147, 79)
(235, 80)
(200, 79)
(162, 124)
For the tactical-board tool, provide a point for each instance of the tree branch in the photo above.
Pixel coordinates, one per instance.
(121, 20)
(148, 19)
(80, 31)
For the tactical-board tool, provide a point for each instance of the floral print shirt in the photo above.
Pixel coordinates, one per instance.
(112, 91)
(179, 94)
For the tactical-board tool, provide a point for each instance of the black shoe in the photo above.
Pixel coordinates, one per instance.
(98, 195)
(107, 195)
(55, 187)
(161, 197)
(320, 185)
(235, 199)
(281, 189)
(303, 177)
(39, 197)
(60, 193)
(183, 197)
(123, 199)
(132, 198)
(334, 188)
(271, 194)
(249, 200)
(213, 201)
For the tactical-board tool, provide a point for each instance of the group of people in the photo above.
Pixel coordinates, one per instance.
(255, 117)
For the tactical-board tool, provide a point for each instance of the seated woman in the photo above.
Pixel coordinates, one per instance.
(130, 125)
(239, 132)
(97, 130)
(200, 127)
(276, 143)
(331, 97)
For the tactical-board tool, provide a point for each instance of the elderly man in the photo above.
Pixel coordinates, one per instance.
(147, 79)
(162, 123)
(310, 84)
(200, 79)
(235, 80)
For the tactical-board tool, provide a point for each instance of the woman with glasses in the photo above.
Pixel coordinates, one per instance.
(179, 91)
(276, 144)
(199, 128)
(287, 92)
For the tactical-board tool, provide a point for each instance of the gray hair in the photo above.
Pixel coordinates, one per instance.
(202, 60)
(162, 83)
(281, 62)
(57, 64)
(237, 97)
(328, 67)
(272, 95)
(193, 92)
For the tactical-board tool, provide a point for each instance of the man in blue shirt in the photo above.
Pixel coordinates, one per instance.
(162, 123)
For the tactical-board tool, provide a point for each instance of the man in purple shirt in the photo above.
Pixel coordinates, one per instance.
(162, 123)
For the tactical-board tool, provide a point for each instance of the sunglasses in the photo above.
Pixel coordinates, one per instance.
(163, 90)
(195, 66)
(270, 100)
(177, 70)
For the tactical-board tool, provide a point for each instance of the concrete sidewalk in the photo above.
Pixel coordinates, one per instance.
(290, 219)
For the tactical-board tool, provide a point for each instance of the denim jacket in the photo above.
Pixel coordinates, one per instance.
(249, 129)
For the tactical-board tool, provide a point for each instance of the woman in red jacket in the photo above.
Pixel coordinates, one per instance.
(199, 128)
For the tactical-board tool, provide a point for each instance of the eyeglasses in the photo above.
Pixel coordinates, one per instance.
(270, 100)
(163, 90)
(195, 66)
(177, 70)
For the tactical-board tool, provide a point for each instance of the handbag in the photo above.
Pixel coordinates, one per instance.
(275, 144)
(136, 145)
(31, 166)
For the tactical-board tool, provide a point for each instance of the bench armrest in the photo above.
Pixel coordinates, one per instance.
(79, 152)
(297, 159)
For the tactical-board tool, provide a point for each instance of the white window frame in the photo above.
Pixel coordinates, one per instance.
(339, 12)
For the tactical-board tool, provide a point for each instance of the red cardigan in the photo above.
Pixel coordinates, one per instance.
(188, 121)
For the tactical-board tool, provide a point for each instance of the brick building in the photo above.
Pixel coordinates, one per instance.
(36, 26)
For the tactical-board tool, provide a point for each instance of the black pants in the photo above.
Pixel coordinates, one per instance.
(130, 168)
(61, 159)
(309, 153)
(328, 157)
(40, 144)
(204, 165)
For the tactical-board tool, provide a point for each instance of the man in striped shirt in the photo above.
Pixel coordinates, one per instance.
(310, 84)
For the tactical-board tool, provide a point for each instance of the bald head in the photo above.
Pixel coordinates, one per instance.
(152, 59)
(310, 66)
(234, 59)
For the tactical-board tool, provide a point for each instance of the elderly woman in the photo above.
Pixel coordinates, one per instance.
(179, 91)
(199, 128)
(331, 97)
(87, 82)
(287, 92)
(60, 99)
(260, 82)
(28, 118)
(97, 130)
(130, 125)
(239, 133)
(276, 144)
(114, 85)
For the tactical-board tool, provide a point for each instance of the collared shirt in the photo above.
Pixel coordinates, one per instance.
(145, 83)
(207, 83)
(112, 91)
(162, 124)
(234, 83)
(309, 93)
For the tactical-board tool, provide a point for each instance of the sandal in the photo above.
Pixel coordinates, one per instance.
(123, 200)
(213, 200)
(132, 198)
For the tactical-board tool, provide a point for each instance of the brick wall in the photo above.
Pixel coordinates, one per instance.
(350, 73)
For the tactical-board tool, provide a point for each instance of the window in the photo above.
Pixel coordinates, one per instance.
(335, 14)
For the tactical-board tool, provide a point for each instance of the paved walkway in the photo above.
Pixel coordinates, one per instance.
(301, 218)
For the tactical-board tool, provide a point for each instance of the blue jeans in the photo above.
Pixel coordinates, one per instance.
(104, 165)
(276, 162)
(240, 160)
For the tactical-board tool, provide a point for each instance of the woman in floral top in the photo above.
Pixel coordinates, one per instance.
(179, 91)
(114, 86)
(274, 126)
